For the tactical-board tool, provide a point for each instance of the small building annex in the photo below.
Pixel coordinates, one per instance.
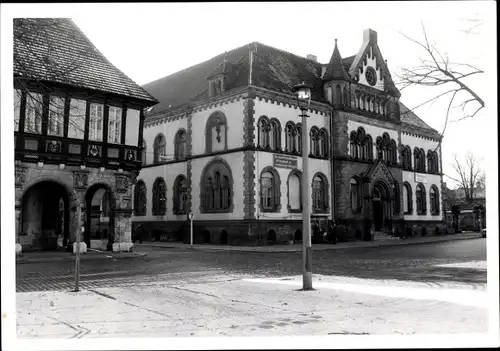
(224, 143)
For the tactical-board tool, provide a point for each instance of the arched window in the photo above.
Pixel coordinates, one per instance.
(216, 132)
(419, 155)
(289, 132)
(159, 197)
(294, 191)
(216, 187)
(355, 195)
(270, 190)
(406, 155)
(319, 193)
(323, 143)
(275, 135)
(432, 162)
(159, 148)
(434, 200)
(144, 152)
(394, 152)
(353, 144)
(180, 195)
(140, 198)
(298, 138)
(407, 198)
(397, 204)
(180, 145)
(421, 200)
(264, 128)
(314, 141)
(369, 147)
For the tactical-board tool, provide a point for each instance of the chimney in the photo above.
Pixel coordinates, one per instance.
(312, 57)
(369, 35)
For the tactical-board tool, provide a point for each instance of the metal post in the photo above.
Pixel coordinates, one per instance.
(306, 220)
(77, 259)
(191, 216)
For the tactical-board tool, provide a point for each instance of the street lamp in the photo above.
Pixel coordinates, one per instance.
(303, 94)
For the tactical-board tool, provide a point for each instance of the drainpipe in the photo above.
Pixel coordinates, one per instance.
(332, 157)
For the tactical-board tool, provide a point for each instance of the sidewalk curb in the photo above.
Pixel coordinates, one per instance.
(333, 247)
(83, 257)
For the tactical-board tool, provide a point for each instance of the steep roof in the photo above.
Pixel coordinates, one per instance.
(272, 69)
(408, 117)
(335, 68)
(56, 50)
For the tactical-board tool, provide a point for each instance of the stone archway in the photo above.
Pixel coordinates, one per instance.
(40, 218)
(93, 193)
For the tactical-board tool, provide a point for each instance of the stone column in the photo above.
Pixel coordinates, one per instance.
(123, 231)
(123, 215)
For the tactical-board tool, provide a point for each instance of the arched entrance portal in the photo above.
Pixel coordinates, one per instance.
(100, 217)
(381, 205)
(45, 215)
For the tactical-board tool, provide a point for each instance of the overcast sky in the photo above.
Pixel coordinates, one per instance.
(150, 41)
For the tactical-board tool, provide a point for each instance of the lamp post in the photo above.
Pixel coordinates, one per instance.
(303, 93)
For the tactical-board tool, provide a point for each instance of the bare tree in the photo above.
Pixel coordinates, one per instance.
(469, 175)
(448, 77)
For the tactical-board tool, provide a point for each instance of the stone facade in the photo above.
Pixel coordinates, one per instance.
(77, 186)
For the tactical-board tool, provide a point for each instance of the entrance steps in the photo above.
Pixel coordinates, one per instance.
(384, 236)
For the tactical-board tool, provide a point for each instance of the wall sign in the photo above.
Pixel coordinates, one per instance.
(284, 161)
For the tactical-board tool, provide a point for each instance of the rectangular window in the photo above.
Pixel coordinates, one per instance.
(17, 108)
(56, 116)
(77, 112)
(132, 130)
(114, 125)
(96, 122)
(34, 110)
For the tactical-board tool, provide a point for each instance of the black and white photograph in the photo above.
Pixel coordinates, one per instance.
(254, 175)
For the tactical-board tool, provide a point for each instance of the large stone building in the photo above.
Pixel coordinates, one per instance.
(224, 143)
(78, 122)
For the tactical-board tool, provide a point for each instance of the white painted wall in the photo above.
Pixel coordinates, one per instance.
(374, 132)
(234, 116)
(169, 129)
(235, 161)
(132, 127)
(421, 143)
(427, 180)
(168, 173)
(264, 159)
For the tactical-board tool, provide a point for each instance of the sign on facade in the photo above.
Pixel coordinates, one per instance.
(420, 178)
(285, 161)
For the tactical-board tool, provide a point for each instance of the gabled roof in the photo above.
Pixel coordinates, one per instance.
(56, 50)
(377, 167)
(181, 87)
(409, 118)
(272, 69)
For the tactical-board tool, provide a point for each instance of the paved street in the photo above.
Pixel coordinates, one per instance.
(434, 288)
(419, 263)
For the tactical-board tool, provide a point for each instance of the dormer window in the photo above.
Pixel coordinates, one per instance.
(215, 87)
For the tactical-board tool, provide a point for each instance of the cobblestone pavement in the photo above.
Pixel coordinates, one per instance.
(417, 263)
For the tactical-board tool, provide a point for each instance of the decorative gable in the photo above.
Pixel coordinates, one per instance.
(369, 67)
(369, 73)
(379, 170)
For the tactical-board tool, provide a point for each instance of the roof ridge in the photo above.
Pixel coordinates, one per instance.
(199, 64)
(96, 50)
(290, 53)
